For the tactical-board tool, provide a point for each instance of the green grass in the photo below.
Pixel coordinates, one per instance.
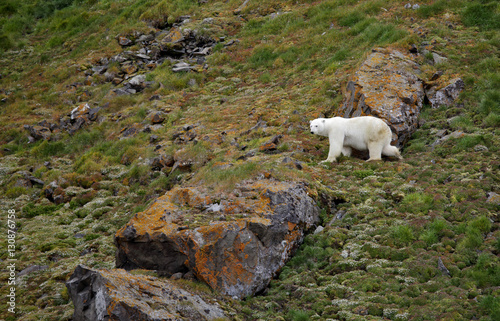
(418, 203)
(483, 14)
(31, 210)
(402, 234)
(378, 261)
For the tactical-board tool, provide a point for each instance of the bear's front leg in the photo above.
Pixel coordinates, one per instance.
(335, 148)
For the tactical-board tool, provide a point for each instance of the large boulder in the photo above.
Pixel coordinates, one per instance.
(444, 92)
(118, 295)
(386, 85)
(236, 243)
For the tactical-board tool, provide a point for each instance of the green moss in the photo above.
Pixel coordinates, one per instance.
(402, 234)
(491, 305)
(417, 203)
(298, 315)
(486, 272)
(31, 210)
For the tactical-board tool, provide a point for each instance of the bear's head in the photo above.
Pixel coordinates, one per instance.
(318, 127)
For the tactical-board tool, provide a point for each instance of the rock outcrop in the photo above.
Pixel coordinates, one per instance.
(386, 85)
(444, 93)
(118, 295)
(236, 243)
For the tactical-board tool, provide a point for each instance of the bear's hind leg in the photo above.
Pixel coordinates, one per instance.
(375, 150)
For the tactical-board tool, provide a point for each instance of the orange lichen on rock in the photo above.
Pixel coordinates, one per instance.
(387, 86)
(238, 256)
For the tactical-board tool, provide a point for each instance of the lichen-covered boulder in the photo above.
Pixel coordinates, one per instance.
(118, 295)
(386, 85)
(236, 243)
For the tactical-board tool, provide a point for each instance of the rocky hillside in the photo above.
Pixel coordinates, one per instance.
(156, 160)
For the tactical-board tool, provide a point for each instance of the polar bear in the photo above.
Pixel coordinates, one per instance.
(361, 133)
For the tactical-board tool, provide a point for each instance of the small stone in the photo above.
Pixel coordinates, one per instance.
(181, 66)
(176, 276)
(117, 80)
(493, 198)
(141, 56)
(441, 133)
(268, 147)
(480, 148)
(39, 132)
(415, 6)
(438, 59)
(129, 68)
(436, 75)
(36, 181)
(457, 134)
(319, 229)
(443, 268)
(32, 268)
(138, 81)
(124, 41)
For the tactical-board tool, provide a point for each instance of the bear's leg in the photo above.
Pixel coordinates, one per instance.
(346, 151)
(375, 150)
(391, 151)
(335, 148)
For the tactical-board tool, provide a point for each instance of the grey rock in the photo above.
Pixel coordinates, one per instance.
(145, 38)
(238, 257)
(36, 181)
(181, 66)
(143, 56)
(137, 81)
(124, 41)
(338, 216)
(445, 96)
(215, 208)
(32, 268)
(319, 229)
(480, 148)
(38, 132)
(441, 133)
(117, 295)
(493, 198)
(387, 86)
(443, 268)
(438, 59)
(99, 69)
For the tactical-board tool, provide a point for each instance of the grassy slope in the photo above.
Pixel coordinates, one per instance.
(379, 261)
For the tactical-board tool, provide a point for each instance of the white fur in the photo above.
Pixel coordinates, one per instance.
(361, 133)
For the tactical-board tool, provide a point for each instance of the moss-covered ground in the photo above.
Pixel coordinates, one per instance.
(389, 227)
